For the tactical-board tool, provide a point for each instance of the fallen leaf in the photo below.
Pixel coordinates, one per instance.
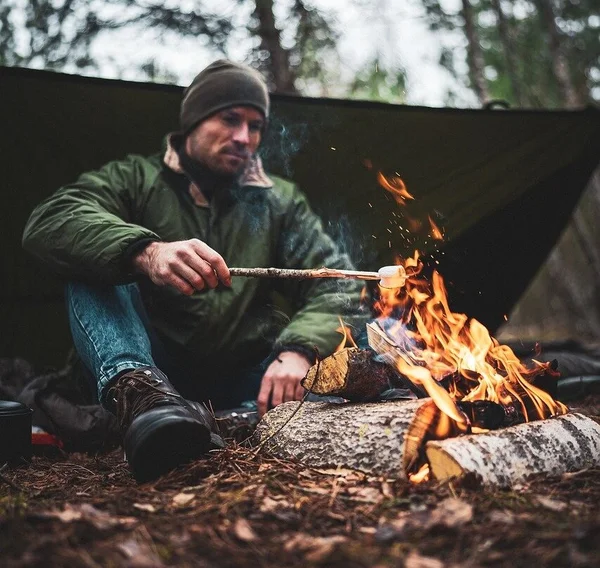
(386, 490)
(452, 512)
(101, 520)
(504, 517)
(139, 554)
(415, 560)
(271, 505)
(552, 504)
(365, 494)
(183, 499)
(315, 549)
(243, 531)
(145, 507)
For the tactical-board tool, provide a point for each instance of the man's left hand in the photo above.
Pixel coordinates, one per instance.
(281, 382)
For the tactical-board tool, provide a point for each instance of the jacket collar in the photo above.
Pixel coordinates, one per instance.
(254, 175)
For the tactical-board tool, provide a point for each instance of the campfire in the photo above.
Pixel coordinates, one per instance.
(475, 383)
(475, 406)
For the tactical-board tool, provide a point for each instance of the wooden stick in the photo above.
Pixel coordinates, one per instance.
(301, 273)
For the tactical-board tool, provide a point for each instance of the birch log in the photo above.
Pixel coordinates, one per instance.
(367, 436)
(372, 437)
(504, 457)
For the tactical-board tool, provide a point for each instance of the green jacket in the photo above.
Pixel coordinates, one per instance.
(88, 230)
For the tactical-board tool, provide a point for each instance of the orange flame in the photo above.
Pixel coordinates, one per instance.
(395, 186)
(343, 329)
(438, 344)
(421, 476)
(436, 233)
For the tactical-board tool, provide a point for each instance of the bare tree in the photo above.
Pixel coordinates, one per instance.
(560, 65)
(475, 53)
(276, 59)
(510, 52)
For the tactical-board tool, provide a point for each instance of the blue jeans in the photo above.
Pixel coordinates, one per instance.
(112, 334)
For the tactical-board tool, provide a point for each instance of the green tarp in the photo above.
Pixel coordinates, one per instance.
(501, 184)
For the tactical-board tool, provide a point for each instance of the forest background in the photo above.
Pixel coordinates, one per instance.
(461, 53)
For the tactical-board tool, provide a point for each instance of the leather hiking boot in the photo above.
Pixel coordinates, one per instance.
(161, 429)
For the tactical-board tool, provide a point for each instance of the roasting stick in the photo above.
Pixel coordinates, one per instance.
(389, 276)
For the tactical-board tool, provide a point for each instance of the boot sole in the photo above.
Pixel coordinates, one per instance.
(163, 438)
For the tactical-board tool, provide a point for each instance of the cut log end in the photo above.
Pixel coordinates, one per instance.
(352, 374)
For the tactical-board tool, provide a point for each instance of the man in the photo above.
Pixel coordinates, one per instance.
(145, 244)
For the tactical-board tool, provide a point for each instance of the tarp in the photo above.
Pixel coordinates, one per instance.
(501, 184)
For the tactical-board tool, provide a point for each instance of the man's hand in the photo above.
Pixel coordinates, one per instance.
(186, 265)
(281, 382)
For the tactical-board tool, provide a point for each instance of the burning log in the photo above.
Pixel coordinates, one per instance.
(378, 438)
(569, 442)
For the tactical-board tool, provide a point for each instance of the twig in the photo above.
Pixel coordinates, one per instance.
(302, 273)
(308, 391)
(6, 480)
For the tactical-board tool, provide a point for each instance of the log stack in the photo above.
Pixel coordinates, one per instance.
(373, 437)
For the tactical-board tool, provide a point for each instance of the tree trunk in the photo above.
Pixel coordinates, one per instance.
(560, 65)
(475, 54)
(509, 52)
(570, 442)
(270, 41)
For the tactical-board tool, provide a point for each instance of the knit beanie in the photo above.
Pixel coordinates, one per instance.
(221, 85)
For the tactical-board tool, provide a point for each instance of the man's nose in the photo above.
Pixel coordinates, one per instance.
(241, 135)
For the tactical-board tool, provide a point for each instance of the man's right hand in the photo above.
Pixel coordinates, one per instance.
(187, 266)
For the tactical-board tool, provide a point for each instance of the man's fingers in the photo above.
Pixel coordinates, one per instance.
(197, 272)
(277, 396)
(179, 284)
(214, 259)
(264, 394)
(299, 392)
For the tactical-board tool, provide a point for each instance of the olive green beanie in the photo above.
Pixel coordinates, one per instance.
(221, 85)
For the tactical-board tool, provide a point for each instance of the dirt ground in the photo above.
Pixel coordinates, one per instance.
(241, 509)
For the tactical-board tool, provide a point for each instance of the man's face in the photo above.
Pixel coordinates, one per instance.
(226, 141)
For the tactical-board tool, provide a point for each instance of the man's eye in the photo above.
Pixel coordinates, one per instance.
(231, 120)
(255, 126)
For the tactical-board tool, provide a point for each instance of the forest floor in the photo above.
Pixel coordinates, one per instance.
(237, 508)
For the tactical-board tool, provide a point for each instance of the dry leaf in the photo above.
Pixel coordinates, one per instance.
(183, 499)
(504, 517)
(415, 560)
(243, 531)
(452, 512)
(365, 494)
(315, 549)
(271, 505)
(101, 520)
(145, 507)
(552, 504)
(139, 554)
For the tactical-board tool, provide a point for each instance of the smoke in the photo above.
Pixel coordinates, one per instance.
(281, 143)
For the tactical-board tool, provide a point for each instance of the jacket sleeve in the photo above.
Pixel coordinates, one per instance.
(84, 230)
(320, 303)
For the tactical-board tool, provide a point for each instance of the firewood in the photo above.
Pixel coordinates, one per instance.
(377, 438)
(569, 442)
(351, 373)
(369, 437)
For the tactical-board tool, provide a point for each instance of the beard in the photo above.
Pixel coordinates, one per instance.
(211, 182)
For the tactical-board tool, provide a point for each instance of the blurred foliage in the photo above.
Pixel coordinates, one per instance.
(521, 53)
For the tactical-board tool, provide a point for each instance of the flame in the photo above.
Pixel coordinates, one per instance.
(395, 186)
(343, 329)
(436, 233)
(421, 476)
(437, 345)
